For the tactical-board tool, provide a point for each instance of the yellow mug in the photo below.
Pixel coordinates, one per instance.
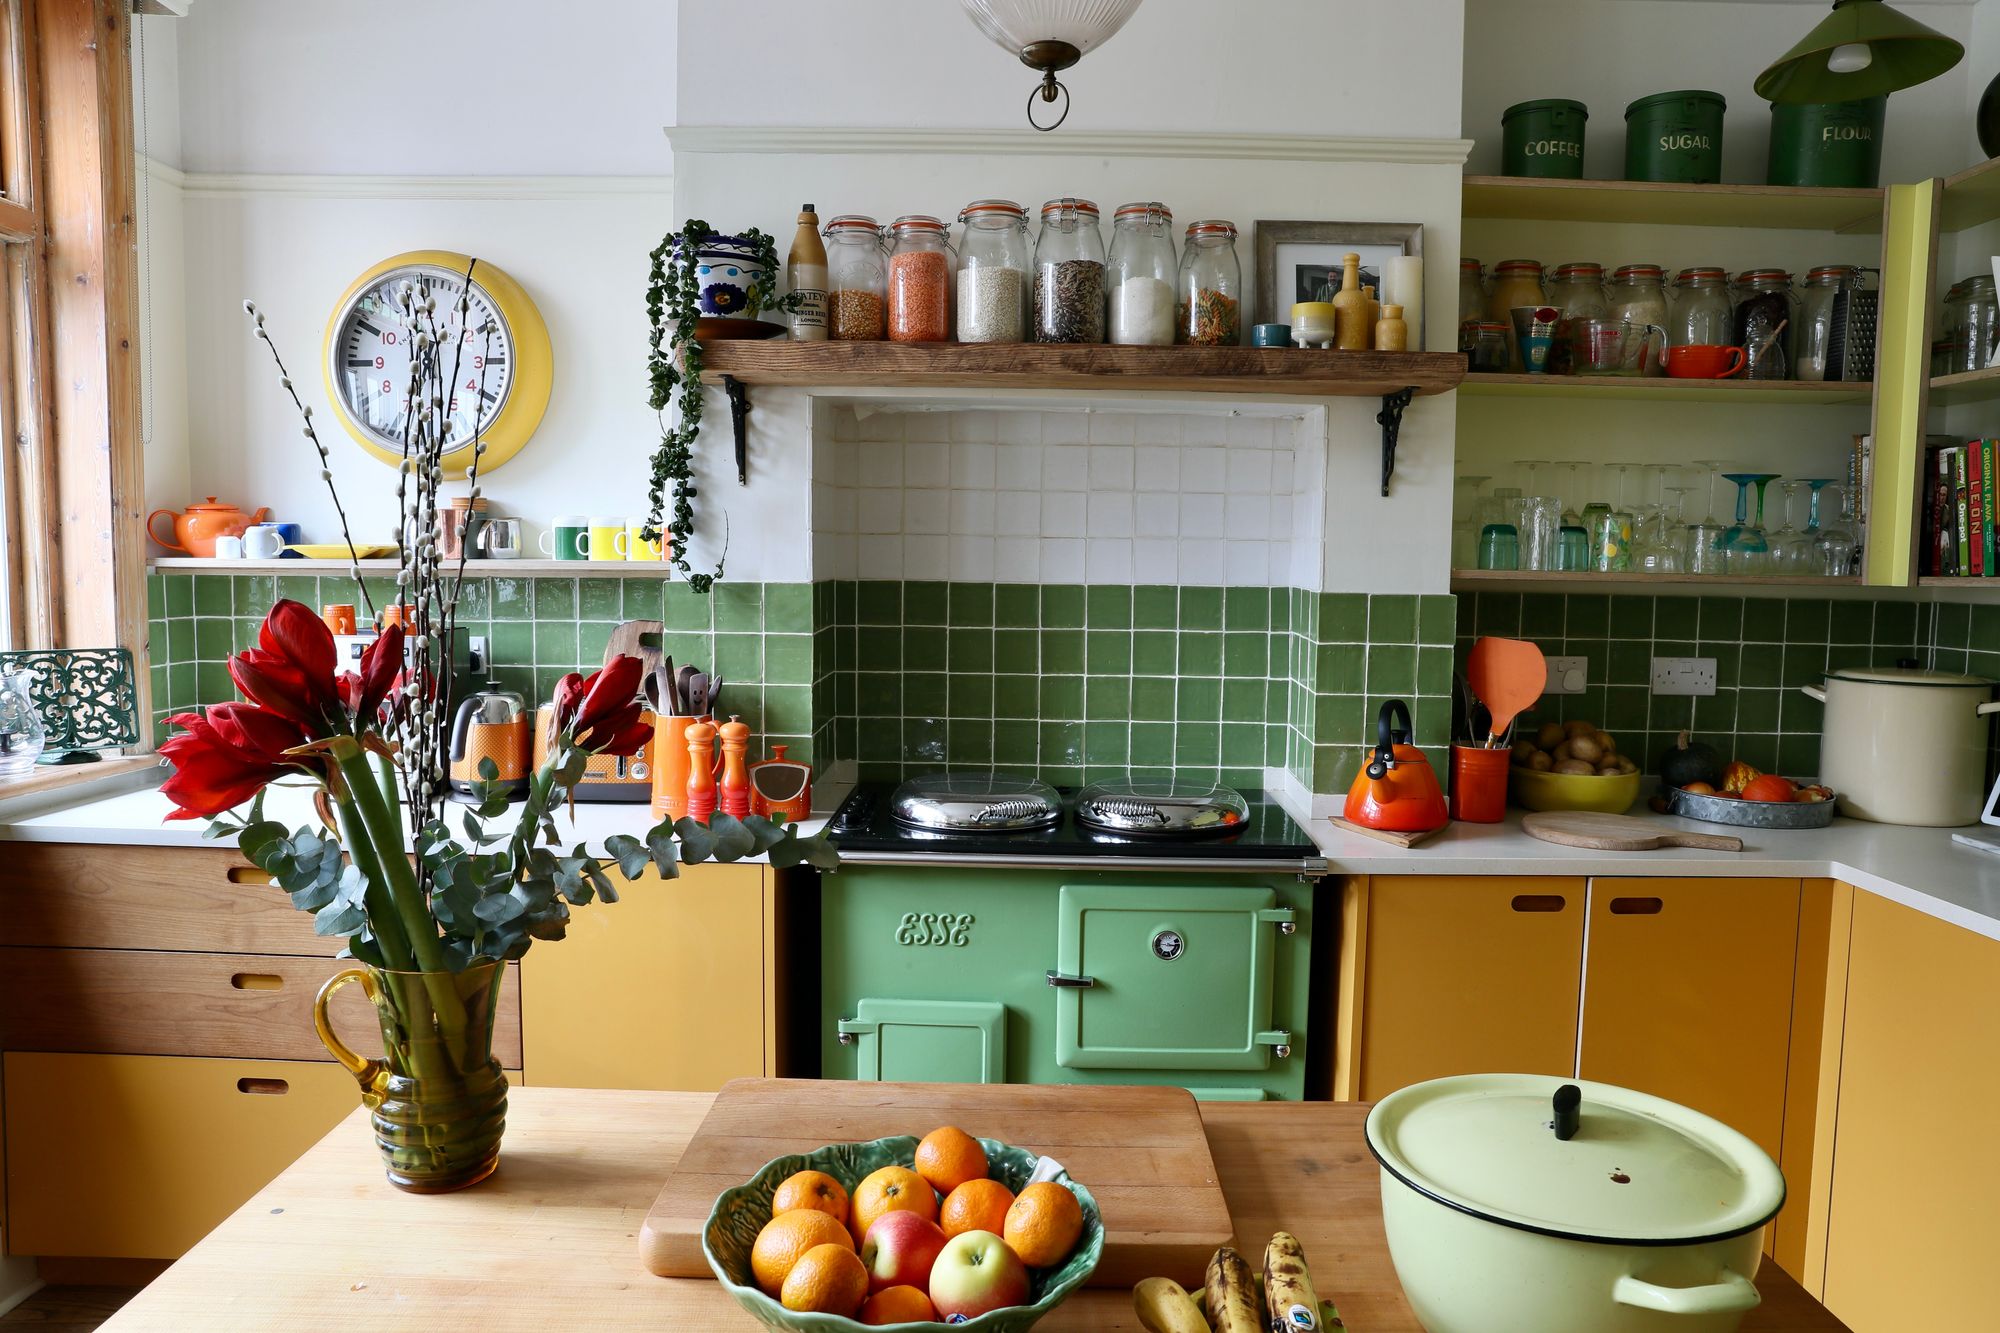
(605, 536)
(634, 546)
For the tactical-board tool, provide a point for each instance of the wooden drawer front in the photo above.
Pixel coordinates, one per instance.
(138, 1157)
(70, 896)
(250, 1006)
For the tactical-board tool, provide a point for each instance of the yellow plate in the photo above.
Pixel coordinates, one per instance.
(338, 551)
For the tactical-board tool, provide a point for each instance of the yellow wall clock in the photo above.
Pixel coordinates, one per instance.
(367, 358)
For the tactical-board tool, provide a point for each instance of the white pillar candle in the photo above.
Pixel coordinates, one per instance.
(1403, 285)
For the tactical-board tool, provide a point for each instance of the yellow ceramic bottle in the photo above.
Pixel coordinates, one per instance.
(1352, 313)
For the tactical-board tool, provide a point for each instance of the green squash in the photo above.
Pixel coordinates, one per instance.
(1688, 761)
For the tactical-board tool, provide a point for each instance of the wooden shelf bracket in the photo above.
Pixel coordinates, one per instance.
(1390, 418)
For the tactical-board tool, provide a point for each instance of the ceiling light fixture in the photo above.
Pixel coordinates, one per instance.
(1049, 35)
(1862, 49)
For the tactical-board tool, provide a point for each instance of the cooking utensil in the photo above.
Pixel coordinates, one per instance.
(684, 690)
(1508, 675)
(1161, 808)
(1750, 814)
(195, 529)
(491, 724)
(1518, 1202)
(1620, 833)
(1396, 790)
(976, 802)
(636, 638)
(1904, 746)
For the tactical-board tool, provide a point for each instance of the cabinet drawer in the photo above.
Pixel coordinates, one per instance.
(138, 1157)
(141, 1002)
(212, 900)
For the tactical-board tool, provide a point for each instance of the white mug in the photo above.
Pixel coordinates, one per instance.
(263, 541)
(228, 548)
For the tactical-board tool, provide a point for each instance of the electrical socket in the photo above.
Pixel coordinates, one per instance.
(1684, 675)
(1567, 675)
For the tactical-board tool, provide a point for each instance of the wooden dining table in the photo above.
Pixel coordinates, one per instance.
(552, 1239)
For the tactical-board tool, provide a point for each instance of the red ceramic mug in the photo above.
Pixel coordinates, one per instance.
(1704, 362)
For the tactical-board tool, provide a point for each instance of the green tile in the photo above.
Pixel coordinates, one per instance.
(1895, 623)
(1542, 618)
(1062, 697)
(1342, 719)
(1017, 605)
(1243, 700)
(1673, 713)
(688, 649)
(968, 696)
(968, 741)
(739, 607)
(878, 602)
(1245, 655)
(1152, 744)
(1106, 742)
(925, 693)
(1201, 654)
(1498, 613)
(788, 608)
(1763, 620)
(1392, 618)
(1016, 742)
(513, 643)
(601, 599)
(787, 710)
(924, 739)
(1676, 617)
(1016, 696)
(1798, 755)
(1154, 653)
(214, 640)
(180, 641)
(1432, 720)
(1246, 608)
(1062, 651)
(1631, 617)
(788, 659)
(1716, 714)
(1625, 708)
(1281, 609)
(738, 657)
(882, 651)
(1107, 698)
(1153, 698)
(513, 599)
(1201, 609)
(181, 690)
(1588, 616)
(1242, 745)
(879, 694)
(1108, 651)
(1198, 700)
(1807, 620)
(926, 603)
(555, 643)
(1761, 665)
(1198, 744)
(1062, 606)
(1757, 710)
(1155, 606)
(1334, 766)
(1437, 619)
(179, 594)
(156, 601)
(1854, 622)
(1343, 618)
(1434, 669)
(1805, 664)
(1951, 624)
(555, 599)
(1759, 750)
(1062, 743)
(212, 684)
(291, 587)
(1721, 619)
(970, 650)
(214, 595)
(925, 648)
(1629, 662)
(1108, 606)
(1017, 651)
(971, 604)
(1341, 668)
(641, 599)
(592, 638)
(1392, 669)
(475, 600)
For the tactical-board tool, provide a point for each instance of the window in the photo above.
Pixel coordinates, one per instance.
(23, 319)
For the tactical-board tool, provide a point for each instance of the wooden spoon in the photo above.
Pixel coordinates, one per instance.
(1508, 675)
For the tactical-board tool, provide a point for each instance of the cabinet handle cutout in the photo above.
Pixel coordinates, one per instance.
(257, 981)
(247, 875)
(1636, 906)
(263, 1087)
(1539, 902)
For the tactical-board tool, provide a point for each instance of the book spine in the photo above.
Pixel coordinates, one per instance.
(1975, 511)
(1989, 533)
(1933, 512)
(1961, 565)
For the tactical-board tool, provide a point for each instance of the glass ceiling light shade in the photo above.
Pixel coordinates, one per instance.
(1862, 49)
(1049, 35)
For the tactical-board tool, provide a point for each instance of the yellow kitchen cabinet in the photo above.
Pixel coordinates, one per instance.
(1688, 992)
(1456, 974)
(670, 988)
(138, 1157)
(1912, 1223)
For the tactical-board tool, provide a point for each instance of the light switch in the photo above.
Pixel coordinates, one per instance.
(1567, 675)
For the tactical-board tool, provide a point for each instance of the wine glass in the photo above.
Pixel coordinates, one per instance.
(1628, 519)
(1656, 547)
(1713, 467)
(1834, 547)
(1465, 520)
(1572, 493)
(1746, 548)
(1791, 549)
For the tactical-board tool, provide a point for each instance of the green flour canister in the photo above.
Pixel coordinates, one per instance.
(1543, 138)
(1675, 137)
(1828, 143)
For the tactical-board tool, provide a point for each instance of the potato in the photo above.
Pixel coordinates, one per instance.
(1608, 771)
(1550, 736)
(1626, 765)
(1579, 767)
(1586, 747)
(1562, 752)
(1578, 728)
(1605, 739)
(1540, 761)
(1522, 749)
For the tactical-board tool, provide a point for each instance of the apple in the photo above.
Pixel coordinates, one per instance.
(976, 1273)
(900, 1250)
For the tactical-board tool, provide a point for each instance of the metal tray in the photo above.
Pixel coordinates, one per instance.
(1751, 814)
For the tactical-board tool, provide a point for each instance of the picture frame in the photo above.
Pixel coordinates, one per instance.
(1301, 261)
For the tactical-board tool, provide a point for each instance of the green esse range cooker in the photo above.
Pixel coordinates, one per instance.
(991, 929)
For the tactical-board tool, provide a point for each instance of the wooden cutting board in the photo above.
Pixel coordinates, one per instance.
(1140, 1151)
(1620, 833)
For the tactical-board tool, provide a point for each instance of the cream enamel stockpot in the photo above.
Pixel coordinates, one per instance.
(1903, 746)
(1521, 1203)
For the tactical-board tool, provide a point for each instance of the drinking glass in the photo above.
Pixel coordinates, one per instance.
(1541, 517)
(1791, 549)
(1627, 518)
(1712, 467)
(1656, 547)
(1703, 553)
(1465, 515)
(1572, 548)
(1608, 551)
(1499, 546)
(1746, 548)
(1834, 546)
(1572, 492)
(1503, 505)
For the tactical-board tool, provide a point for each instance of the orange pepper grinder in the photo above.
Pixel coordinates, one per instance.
(734, 793)
(701, 771)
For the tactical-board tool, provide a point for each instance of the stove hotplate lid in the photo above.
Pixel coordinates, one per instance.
(975, 802)
(1167, 809)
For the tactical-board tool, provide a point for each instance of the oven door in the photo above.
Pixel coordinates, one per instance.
(1167, 977)
(927, 1041)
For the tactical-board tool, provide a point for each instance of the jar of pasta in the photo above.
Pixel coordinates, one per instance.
(1211, 309)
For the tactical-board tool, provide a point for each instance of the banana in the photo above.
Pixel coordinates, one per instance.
(1165, 1307)
(1232, 1294)
(1288, 1287)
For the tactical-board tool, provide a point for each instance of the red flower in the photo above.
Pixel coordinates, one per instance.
(225, 758)
(291, 670)
(362, 694)
(602, 712)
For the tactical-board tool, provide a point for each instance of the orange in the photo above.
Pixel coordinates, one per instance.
(828, 1279)
(949, 1157)
(898, 1305)
(1043, 1224)
(977, 1205)
(786, 1237)
(811, 1189)
(891, 1189)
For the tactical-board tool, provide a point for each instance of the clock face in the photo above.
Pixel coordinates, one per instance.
(369, 357)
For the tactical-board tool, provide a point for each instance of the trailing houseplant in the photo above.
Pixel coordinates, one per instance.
(431, 913)
(678, 294)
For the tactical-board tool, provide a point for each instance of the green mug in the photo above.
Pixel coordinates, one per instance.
(567, 538)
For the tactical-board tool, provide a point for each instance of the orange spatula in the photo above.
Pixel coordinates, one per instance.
(1508, 675)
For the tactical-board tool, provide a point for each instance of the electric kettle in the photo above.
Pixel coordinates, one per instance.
(491, 724)
(1397, 791)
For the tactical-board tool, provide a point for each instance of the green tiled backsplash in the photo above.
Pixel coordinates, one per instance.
(757, 636)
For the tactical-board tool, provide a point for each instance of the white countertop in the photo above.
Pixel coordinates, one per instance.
(1921, 868)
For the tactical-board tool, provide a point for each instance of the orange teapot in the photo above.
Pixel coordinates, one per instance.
(1397, 792)
(196, 530)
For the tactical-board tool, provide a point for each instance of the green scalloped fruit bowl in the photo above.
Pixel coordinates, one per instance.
(740, 1213)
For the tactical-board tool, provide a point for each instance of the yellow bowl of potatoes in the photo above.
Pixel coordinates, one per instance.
(1572, 766)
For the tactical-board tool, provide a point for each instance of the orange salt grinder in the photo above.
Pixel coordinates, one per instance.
(733, 794)
(701, 771)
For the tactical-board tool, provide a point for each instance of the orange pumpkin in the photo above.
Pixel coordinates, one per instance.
(1770, 787)
(1738, 776)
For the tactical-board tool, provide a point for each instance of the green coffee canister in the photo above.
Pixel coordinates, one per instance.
(1828, 143)
(1675, 137)
(1543, 139)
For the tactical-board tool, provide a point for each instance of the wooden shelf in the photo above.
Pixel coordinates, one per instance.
(1966, 584)
(474, 568)
(1269, 371)
(1765, 207)
(1967, 386)
(1641, 388)
(1534, 580)
(1971, 196)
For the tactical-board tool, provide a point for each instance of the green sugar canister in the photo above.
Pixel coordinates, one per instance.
(1828, 143)
(1543, 139)
(1675, 136)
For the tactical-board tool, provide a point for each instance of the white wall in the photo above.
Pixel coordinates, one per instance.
(1608, 53)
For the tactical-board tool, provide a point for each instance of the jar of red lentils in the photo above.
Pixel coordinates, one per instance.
(920, 274)
(855, 279)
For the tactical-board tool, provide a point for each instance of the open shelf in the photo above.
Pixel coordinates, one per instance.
(1765, 207)
(1971, 196)
(1269, 371)
(1640, 388)
(1967, 386)
(1967, 582)
(1536, 580)
(473, 568)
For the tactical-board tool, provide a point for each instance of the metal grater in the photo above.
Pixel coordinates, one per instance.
(1850, 354)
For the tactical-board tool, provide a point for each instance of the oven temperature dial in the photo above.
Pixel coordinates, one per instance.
(1168, 945)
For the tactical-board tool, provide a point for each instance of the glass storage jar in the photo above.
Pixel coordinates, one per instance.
(1471, 291)
(1516, 282)
(1485, 343)
(1211, 286)
(1978, 322)
(1767, 320)
(993, 271)
(856, 279)
(1069, 274)
(920, 268)
(1814, 344)
(1702, 313)
(1577, 292)
(1141, 275)
(1638, 293)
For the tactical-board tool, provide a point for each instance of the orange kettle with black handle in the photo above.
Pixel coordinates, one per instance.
(1397, 791)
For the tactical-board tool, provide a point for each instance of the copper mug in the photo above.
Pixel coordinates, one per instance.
(339, 617)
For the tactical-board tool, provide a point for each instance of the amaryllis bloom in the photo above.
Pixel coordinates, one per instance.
(226, 757)
(290, 671)
(362, 693)
(602, 711)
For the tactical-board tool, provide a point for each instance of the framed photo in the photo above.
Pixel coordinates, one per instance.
(1302, 261)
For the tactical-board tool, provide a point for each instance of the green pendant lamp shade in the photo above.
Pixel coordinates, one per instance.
(1862, 49)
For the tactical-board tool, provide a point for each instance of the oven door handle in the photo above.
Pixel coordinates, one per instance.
(1065, 982)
